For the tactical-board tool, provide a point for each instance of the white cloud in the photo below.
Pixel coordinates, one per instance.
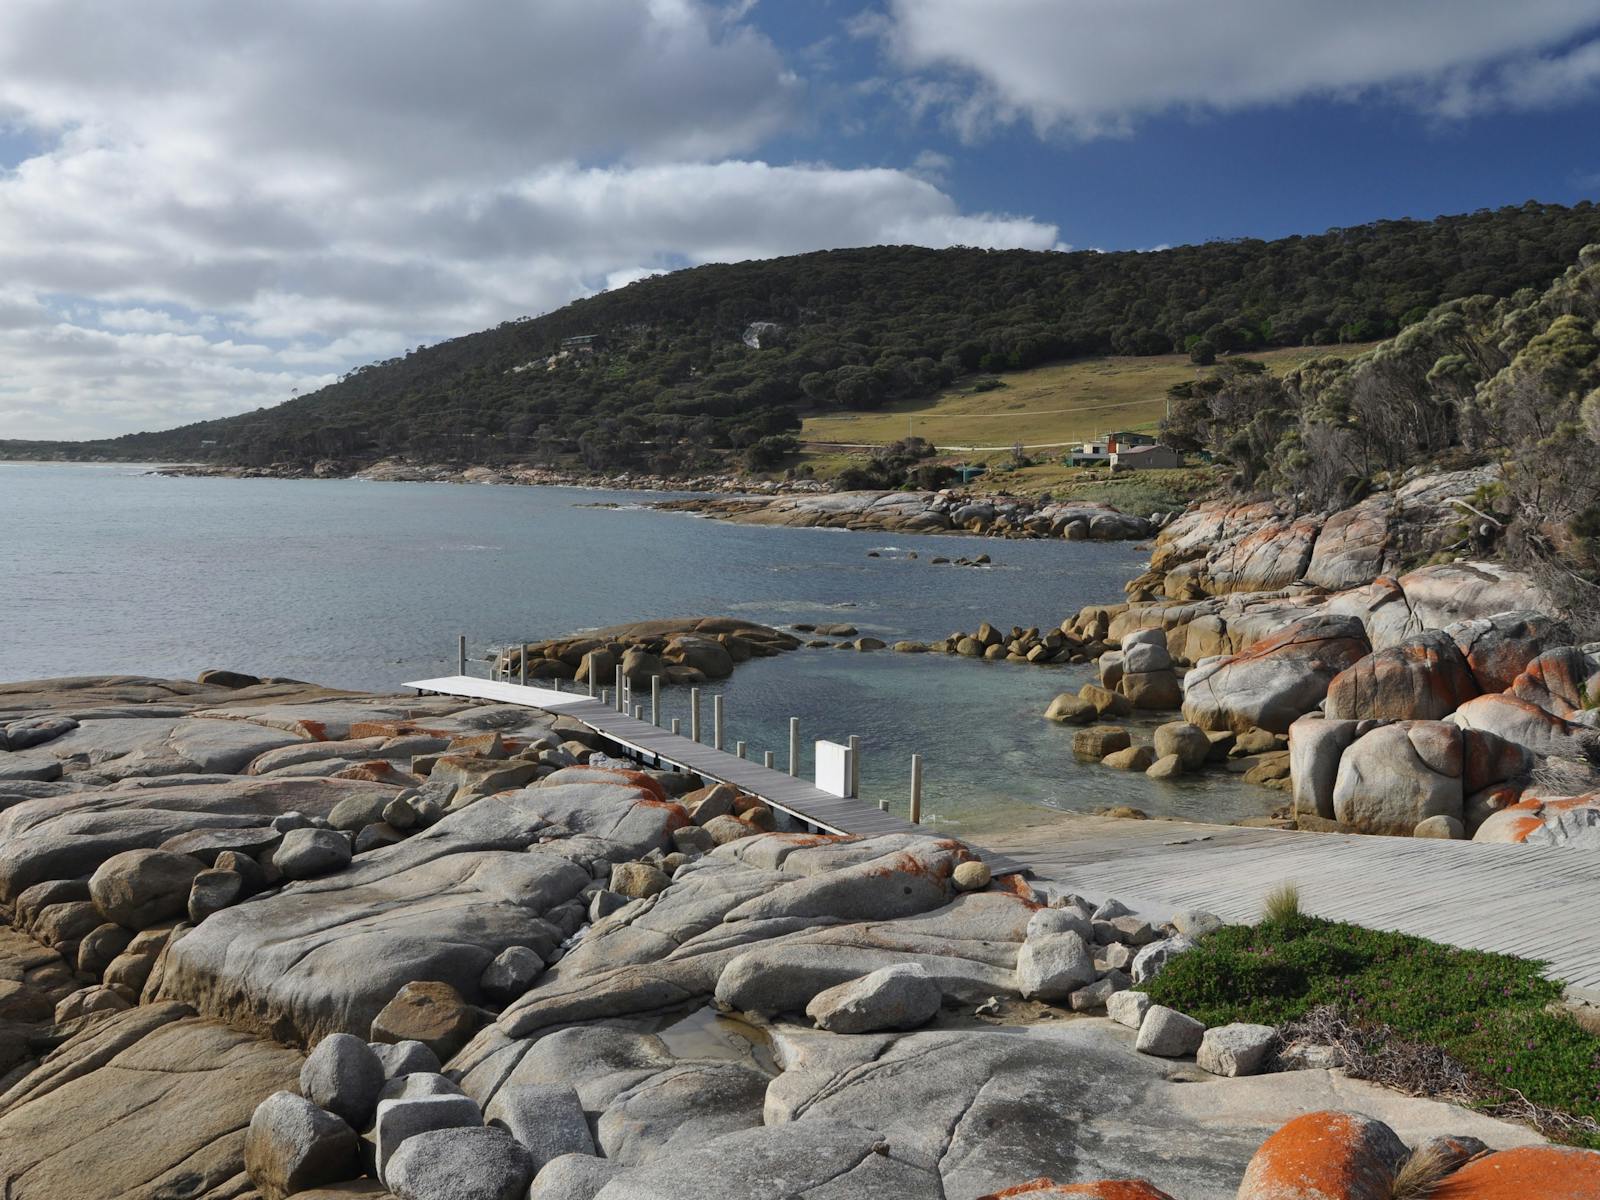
(1090, 68)
(65, 380)
(147, 320)
(932, 166)
(239, 199)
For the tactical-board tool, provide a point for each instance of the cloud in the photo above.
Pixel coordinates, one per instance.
(224, 202)
(932, 166)
(1091, 68)
(66, 380)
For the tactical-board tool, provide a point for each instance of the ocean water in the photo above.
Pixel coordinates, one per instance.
(112, 569)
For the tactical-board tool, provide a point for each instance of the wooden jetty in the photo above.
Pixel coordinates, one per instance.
(1535, 902)
(658, 747)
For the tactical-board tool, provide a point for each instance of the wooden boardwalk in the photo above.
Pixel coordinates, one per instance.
(1535, 902)
(659, 747)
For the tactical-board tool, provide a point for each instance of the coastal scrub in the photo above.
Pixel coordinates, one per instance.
(1412, 1013)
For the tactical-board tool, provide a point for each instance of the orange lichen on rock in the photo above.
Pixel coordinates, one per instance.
(677, 816)
(378, 770)
(1325, 1156)
(618, 775)
(907, 863)
(1105, 1189)
(1527, 1173)
(1518, 822)
(392, 729)
(1017, 885)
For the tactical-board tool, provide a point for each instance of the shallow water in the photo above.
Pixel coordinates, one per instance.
(707, 1033)
(109, 569)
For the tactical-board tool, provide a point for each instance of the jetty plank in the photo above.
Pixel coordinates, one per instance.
(661, 748)
(1533, 901)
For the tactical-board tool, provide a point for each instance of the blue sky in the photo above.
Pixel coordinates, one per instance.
(205, 210)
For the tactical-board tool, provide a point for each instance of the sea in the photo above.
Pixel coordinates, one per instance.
(114, 569)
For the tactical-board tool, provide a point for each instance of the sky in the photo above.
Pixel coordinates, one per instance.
(208, 206)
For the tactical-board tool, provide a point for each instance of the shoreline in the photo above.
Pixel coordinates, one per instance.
(794, 503)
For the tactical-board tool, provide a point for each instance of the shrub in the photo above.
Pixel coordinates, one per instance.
(1489, 1013)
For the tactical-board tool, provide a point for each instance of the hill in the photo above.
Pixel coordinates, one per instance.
(1513, 382)
(1043, 408)
(679, 370)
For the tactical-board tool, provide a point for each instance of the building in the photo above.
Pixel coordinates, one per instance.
(1105, 447)
(586, 343)
(1125, 438)
(1145, 458)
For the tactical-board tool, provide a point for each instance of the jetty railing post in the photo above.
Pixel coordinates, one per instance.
(738, 749)
(638, 712)
(716, 722)
(621, 701)
(677, 727)
(655, 699)
(766, 759)
(590, 666)
(694, 714)
(916, 789)
(854, 743)
(522, 666)
(794, 747)
(461, 654)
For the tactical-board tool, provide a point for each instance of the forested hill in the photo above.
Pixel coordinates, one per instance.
(671, 375)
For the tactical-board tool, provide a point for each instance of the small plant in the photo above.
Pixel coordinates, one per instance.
(1424, 1169)
(1282, 905)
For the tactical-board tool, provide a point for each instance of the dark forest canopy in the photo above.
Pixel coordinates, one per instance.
(671, 380)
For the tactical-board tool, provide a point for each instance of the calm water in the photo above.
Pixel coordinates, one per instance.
(365, 585)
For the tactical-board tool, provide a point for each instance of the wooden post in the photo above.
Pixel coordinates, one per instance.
(461, 654)
(589, 669)
(694, 714)
(854, 743)
(766, 759)
(638, 712)
(655, 699)
(794, 747)
(738, 749)
(620, 682)
(677, 727)
(716, 722)
(522, 666)
(916, 789)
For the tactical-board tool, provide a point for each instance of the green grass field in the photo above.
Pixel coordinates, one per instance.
(1040, 408)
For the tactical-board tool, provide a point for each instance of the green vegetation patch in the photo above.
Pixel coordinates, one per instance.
(1489, 1013)
(1146, 492)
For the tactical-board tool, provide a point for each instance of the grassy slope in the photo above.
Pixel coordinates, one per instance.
(1042, 406)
